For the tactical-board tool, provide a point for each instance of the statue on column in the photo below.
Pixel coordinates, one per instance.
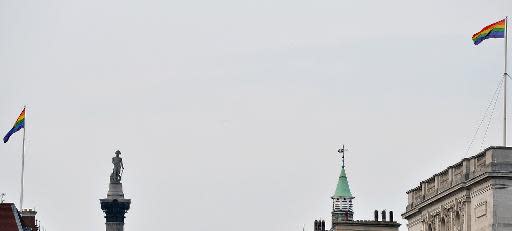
(115, 206)
(117, 172)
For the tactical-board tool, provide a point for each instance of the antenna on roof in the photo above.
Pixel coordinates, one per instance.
(2, 198)
(342, 151)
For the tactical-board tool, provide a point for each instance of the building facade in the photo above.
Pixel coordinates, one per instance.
(473, 194)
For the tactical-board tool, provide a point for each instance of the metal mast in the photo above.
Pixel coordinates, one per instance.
(505, 75)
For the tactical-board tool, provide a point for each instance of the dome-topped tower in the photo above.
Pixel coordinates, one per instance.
(342, 207)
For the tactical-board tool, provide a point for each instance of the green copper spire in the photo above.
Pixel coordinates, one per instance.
(342, 189)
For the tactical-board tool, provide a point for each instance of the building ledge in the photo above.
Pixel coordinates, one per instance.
(492, 162)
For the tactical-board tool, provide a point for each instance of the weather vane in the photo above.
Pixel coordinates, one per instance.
(342, 151)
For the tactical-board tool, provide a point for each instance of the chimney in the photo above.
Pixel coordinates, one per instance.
(29, 218)
(383, 215)
(391, 216)
(376, 215)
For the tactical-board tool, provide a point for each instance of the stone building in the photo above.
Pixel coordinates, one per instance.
(343, 214)
(473, 194)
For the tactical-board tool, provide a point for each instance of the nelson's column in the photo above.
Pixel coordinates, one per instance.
(115, 205)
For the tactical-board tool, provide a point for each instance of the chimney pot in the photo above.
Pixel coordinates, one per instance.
(29, 217)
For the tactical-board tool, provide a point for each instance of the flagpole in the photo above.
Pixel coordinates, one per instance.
(23, 162)
(505, 75)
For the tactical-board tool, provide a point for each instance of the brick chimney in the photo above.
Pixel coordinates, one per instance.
(29, 218)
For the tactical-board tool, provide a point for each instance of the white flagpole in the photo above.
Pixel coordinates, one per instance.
(23, 162)
(505, 75)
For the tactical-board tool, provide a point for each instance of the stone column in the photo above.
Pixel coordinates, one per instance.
(467, 214)
(115, 226)
(451, 227)
(115, 205)
(114, 210)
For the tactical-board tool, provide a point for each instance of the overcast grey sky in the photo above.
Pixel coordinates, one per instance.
(229, 113)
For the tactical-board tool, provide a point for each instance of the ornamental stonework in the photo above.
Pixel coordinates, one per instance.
(472, 194)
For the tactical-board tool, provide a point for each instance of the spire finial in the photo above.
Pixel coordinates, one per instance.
(342, 151)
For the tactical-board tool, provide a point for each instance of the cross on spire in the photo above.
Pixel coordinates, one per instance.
(342, 151)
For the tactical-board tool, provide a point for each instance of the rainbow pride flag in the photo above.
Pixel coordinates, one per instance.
(18, 125)
(495, 30)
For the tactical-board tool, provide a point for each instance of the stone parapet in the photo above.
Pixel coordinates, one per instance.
(491, 161)
(367, 225)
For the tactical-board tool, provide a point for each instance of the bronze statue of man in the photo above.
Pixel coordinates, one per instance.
(115, 177)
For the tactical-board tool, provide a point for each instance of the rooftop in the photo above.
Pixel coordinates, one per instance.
(10, 218)
(493, 161)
